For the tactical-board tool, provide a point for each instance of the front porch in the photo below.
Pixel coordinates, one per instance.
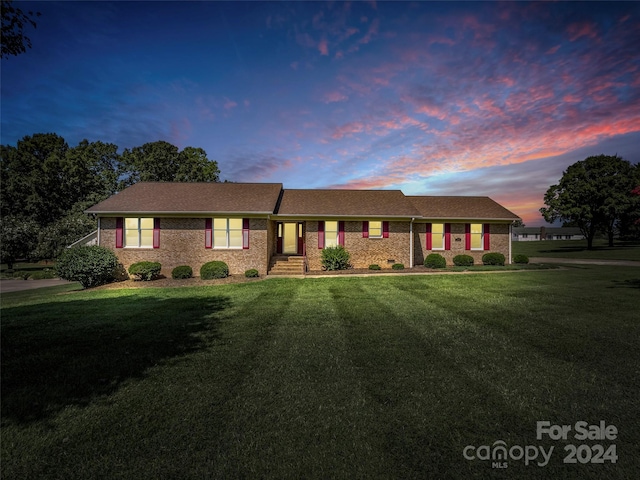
(287, 265)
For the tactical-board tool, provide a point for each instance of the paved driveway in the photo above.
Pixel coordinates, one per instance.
(584, 261)
(10, 285)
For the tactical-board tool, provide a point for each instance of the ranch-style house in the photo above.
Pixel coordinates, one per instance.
(269, 228)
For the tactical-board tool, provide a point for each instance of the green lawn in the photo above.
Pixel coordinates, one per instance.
(384, 377)
(578, 249)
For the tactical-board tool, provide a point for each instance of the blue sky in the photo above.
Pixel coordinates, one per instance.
(435, 98)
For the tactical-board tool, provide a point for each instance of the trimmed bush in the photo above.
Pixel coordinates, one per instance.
(214, 269)
(375, 266)
(335, 258)
(182, 271)
(520, 259)
(22, 275)
(493, 259)
(252, 273)
(91, 266)
(435, 260)
(398, 266)
(145, 271)
(463, 260)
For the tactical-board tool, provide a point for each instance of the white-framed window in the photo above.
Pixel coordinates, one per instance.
(477, 242)
(330, 233)
(437, 236)
(375, 229)
(227, 233)
(138, 232)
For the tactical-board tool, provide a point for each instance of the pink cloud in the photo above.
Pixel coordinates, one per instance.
(582, 29)
(373, 31)
(323, 47)
(332, 97)
(553, 50)
(229, 104)
(347, 130)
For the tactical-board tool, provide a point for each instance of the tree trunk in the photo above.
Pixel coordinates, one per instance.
(611, 238)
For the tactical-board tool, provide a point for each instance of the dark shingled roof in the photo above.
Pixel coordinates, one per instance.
(175, 197)
(481, 208)
(346, 203)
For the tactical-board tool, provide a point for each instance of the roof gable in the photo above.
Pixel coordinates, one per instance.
(183, 197)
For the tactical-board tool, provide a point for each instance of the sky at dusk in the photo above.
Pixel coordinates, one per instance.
(457, 98)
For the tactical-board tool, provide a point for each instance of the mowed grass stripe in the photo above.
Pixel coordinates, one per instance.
(303, 407)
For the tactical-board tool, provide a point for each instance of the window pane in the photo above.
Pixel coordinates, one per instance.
(476, 228)
(146, 238)
(146, 223)
(131, 238)
(235, 238)
(330, 234)
(235, 224)
(375, 229)
(220, 223)
(220, 238)
(437, 236)
(131, 223)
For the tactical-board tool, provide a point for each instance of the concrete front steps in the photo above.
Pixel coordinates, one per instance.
(286, 265)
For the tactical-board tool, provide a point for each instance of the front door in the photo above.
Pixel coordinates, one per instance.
(290, 241)
(290, 236)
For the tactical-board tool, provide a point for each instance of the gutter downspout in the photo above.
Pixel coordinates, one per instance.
(98, 230)
(510, 236)
(411, 242)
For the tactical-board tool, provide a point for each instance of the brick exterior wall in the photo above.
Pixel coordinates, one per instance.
(182, 243)
(363, 251)
(499, 242)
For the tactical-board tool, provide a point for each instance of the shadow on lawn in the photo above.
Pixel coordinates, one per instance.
(632, 283)
(55, 355)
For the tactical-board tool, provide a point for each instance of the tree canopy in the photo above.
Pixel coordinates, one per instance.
(47, 185)
(14, 22)
(594, 195)
(162, 162)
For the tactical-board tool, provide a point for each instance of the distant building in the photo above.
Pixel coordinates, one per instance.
(530, 234)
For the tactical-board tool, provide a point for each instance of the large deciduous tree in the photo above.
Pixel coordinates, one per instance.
(162, 162)
(593, 194)
(18, 238)
(42, 178)
(14, 22)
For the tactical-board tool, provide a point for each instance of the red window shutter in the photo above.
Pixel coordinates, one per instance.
(447, 236)
(487, 234)
(365, 229)
(156, 233)
(119, 232)
(385, 229)
(245, 233)
(208, 233)
(467, 236)
(320, 234)
(341, 234)
(429, 237)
